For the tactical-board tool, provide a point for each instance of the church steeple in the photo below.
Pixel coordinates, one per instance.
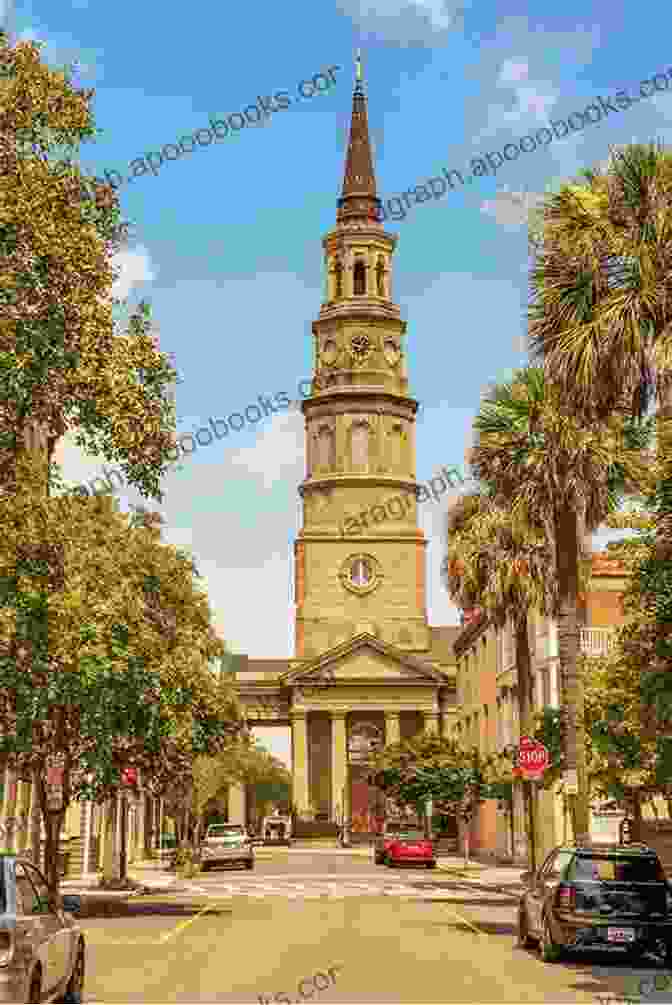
(359, 575)
(359, 201)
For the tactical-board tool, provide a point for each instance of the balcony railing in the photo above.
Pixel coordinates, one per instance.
(597, 641)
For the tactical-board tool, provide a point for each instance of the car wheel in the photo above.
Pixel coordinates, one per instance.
(35, 994)
(431, 865)
(524, 939)
(377, 860)
(75, 986)
(249, 865)
(550, 951)
(205, 867)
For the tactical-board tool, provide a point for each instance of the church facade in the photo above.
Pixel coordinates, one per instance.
(368, 669)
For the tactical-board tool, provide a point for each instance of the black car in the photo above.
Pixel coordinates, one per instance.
(599, 897)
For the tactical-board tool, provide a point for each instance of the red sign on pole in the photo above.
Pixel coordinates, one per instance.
(129, 776)
(533, 757)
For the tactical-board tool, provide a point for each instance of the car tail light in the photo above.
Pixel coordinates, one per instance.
(566, 897)
(6, 948)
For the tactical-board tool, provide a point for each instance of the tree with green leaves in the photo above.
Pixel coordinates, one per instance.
(502, 567)
(553, 472)
(120, 675)
(601, 323)
(63, 363)
(429, 767)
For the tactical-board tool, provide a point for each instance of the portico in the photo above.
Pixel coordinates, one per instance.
(373, 696)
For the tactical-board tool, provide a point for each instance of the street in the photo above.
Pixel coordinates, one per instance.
(388, 935)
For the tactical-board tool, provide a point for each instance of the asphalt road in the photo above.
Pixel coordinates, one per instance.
(249, 936)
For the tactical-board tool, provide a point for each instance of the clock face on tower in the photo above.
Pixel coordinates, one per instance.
(361, 574)
(360, 347)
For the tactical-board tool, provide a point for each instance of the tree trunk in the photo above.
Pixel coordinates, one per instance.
(571, 686)
(53, 823)
(123, 837)
(636, 815)
(512, 825)
(525, 717)
(35, 819)
(110, 843)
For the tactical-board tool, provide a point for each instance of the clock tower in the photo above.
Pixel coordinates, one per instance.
(359, 555)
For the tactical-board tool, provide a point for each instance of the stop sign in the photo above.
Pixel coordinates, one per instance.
(129, 776)
(533, 757)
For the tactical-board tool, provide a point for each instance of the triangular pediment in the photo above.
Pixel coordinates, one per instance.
(365, 658)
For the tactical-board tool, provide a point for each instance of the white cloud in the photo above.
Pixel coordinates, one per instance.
(278, 454)
(405, 21)
(512, 209)
(134, 267)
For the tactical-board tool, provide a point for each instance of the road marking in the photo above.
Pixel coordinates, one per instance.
(184, 924)
(466, 921)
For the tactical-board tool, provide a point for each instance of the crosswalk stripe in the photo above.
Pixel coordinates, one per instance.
(314, 888)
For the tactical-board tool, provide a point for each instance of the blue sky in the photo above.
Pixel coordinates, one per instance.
(226, 241)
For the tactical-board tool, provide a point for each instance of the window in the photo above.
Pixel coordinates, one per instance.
(546, 686)
(395, 450)
(325, 449)
(380, 273)
(360, 445)
(338, 271)
(619, 869)
(359, 278)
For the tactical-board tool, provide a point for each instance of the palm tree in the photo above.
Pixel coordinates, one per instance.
(557, 474)
(601, 319)
(502, 567)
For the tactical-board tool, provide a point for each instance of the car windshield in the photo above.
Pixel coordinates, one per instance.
(411, 836)
(619, 869)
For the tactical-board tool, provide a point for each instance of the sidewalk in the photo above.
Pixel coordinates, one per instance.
(148, 875)
(494, 877)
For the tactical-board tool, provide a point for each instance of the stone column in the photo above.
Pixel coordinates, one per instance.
(339, 762)
(431, 723)
(23, 811)
(237, 807)
(446, 723)
(7, 815)
(300, 790)
(392, 728)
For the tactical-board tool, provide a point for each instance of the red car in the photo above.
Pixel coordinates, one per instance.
(409, 846)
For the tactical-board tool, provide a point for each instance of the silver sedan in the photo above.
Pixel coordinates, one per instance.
(42, 950)
(227, 844)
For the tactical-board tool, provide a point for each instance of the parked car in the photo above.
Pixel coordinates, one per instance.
(382, 841)
(226, 844)
(406, 846)
(607, 897)
(277, 829)
(42, 948)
